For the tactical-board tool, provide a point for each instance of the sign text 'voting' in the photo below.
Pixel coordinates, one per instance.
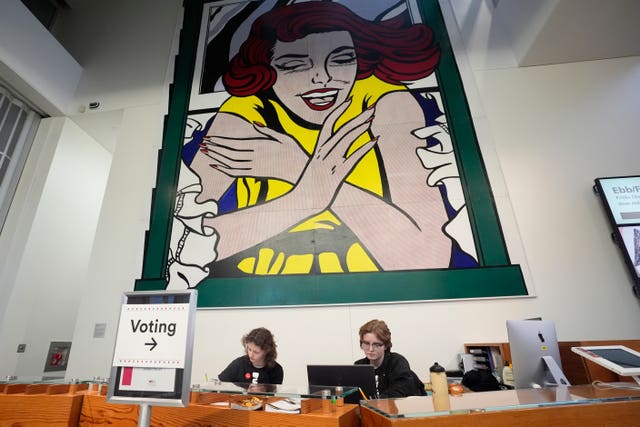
(152, 335)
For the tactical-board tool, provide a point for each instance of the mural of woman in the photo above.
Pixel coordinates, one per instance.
(312, 165)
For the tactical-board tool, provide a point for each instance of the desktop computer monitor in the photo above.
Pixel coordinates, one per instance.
(534, 354)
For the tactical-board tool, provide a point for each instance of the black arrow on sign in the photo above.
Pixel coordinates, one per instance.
(152, 344)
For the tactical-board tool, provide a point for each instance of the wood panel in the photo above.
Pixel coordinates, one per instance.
(97, 412)
(572, 365)
(36, 407)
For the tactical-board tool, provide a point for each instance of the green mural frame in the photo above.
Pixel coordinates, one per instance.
(496, 276)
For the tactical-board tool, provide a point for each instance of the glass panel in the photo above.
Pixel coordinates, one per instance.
(419, 407)
(275, 390)
(281, 390)
(4, 104)
(14, 140)
(8, 126)
(11, 379)
(4, 166)
(17, 129)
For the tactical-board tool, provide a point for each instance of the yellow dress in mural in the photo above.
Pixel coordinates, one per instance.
(321, 244)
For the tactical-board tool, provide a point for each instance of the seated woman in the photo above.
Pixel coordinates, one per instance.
(394, 377)
(258, 365)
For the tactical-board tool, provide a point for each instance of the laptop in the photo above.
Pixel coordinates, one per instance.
(362, 376)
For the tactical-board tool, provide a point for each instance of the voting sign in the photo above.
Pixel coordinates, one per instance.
(152, 355)
(152, 335)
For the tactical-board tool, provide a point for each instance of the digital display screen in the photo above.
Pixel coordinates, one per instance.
(630, 235)
(623, 198)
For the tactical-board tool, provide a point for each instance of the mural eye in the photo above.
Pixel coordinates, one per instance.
(296, 65)
(344, 59)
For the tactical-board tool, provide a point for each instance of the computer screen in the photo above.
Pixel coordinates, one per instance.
(534, 354)
(362, 376)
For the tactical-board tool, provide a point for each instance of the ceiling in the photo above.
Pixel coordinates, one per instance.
(558, 31)
(537, 32)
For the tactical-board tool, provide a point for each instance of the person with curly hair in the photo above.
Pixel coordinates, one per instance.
(258, 365)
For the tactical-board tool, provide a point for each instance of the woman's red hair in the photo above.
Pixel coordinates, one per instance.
(391, 51)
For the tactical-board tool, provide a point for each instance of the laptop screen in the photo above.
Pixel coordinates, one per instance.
(362, 376)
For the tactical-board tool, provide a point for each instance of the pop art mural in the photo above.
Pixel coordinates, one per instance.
(321, 153)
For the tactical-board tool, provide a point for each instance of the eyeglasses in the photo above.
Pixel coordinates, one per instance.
(376, 345)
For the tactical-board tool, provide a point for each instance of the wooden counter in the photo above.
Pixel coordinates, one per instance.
(41, 404)
(534, 408)
(74, 404)
(615, 414)
(97, 412)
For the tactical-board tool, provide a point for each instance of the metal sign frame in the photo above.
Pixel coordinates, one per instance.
(179, 393)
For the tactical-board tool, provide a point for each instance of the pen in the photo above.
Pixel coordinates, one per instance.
(362, 393)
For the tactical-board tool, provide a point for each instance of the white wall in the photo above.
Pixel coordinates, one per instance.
(116, 258)
(51, 262)
(545, 133)
(109, 39)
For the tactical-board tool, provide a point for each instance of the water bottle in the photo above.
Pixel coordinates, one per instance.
(338, 391)
(507, 375)
(439, 388)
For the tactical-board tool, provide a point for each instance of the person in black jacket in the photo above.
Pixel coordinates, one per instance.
(258, 365)
(394, 377)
